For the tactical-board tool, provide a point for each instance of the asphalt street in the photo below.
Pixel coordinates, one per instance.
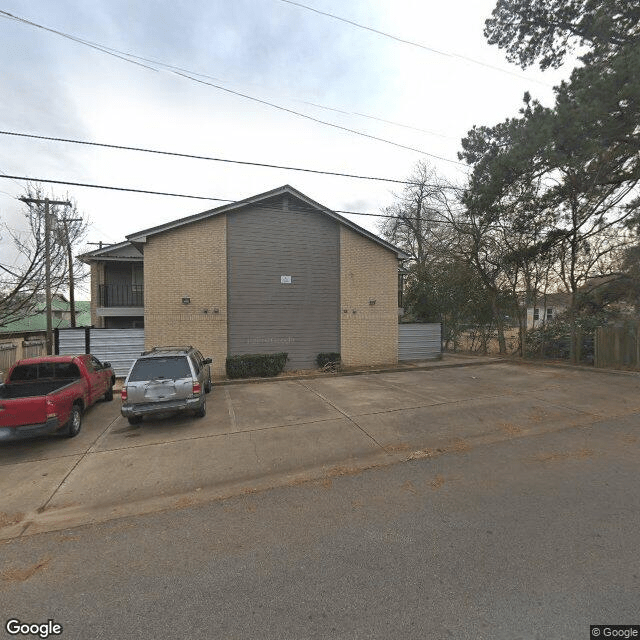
(281, 432)
(528, 537)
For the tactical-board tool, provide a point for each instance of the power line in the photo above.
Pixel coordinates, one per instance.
(199, 157)
(88, 43)
(318, 120)
(190, 76)
(369, 117)
(183, 195)
(125, 55)
(3, 173)
(110, 188)
(412, 43)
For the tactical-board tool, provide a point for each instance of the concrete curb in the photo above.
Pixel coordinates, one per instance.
(74, 516)
(436, 364)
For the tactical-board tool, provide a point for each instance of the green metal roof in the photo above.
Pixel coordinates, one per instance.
(38, 321)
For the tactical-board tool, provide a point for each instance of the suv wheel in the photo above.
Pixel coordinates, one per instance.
(202, 411)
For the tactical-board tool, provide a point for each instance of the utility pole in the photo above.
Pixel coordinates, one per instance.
(72, 295)
(47, 260)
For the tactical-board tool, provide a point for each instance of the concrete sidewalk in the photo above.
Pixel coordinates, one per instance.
(286, 431)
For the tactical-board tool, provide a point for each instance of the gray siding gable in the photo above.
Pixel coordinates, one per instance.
(283, 281)
(265, 200)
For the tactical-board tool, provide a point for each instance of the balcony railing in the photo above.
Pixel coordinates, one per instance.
(121, 295)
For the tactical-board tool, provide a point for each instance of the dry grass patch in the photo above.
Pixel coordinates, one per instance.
(20, 575)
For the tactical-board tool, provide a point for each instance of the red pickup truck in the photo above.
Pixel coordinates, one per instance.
(49, 394)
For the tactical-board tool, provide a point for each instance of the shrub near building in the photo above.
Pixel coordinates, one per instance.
(256, 365)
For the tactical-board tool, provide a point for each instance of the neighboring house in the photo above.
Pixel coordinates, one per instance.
(546, 308)
(36, 318)
(26, 337)
(274, 272)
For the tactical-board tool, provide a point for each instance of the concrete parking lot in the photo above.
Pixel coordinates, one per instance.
(256, 436)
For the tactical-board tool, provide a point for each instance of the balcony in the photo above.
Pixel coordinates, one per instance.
(120, 295)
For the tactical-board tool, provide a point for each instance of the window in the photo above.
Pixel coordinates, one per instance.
(550, 313)
(25, 372)
(173, 368)
(137, 286)
(58, 370)
(536, 314)
(67, 370)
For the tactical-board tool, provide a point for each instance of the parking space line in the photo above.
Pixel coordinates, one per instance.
(232, 413)
(103, 434)
(73, 468)
(348, 417)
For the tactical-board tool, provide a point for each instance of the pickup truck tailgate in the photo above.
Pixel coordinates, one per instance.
(17, 412)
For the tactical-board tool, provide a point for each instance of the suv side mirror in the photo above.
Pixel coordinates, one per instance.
(207, 361)
(106, 365)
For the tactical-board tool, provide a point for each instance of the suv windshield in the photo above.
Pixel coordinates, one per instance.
(154, 368)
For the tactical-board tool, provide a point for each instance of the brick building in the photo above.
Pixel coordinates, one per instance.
(274, 272)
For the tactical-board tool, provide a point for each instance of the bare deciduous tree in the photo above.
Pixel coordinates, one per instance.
(23, 285)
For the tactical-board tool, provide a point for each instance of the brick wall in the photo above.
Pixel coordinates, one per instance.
(368, 332)
(188, 261)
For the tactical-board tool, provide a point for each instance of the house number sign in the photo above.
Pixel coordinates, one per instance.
(285, 279)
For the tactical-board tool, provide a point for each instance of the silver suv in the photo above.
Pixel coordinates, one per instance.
(166, 379)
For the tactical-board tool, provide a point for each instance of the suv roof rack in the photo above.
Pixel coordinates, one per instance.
(167, 348)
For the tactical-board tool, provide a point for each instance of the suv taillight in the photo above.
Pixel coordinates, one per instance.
(197, 388)
(123, 394)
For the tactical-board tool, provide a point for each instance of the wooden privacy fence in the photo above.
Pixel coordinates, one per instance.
(17, 348)
(8, 351)
(618, 346)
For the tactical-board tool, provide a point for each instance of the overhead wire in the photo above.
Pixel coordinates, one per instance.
(411, 42)
(111, 188)
(195, 197)
(192, 77)
(119, 54)
(318, 120)
(201, 157)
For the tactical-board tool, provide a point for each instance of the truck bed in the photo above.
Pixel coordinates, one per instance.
(14, 390)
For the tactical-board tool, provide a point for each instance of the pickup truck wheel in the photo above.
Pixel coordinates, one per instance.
(202, 411)
(135, 419)
(109, 395)
(75, 422)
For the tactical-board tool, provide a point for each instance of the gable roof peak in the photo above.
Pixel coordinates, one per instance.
(141, 236)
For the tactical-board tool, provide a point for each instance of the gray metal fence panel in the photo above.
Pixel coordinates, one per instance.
(419, 341)
(71, 341)
(120, 347)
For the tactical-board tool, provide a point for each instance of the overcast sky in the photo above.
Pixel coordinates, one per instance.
(268, 49)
